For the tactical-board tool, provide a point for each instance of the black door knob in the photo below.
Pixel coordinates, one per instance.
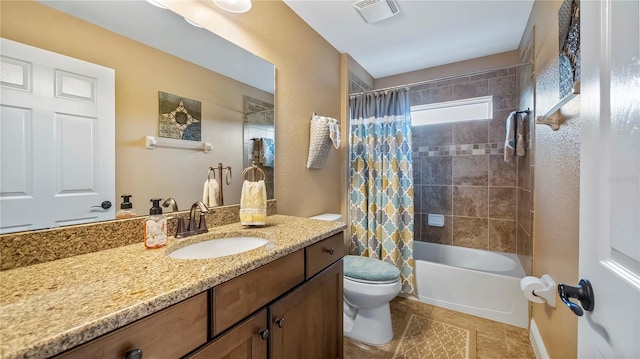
(280, 322)
(330, 251)
(134, 354)
(264, 334)
(103, 205)
(583, 292)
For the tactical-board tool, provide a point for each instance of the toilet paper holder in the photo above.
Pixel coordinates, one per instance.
(545, 291)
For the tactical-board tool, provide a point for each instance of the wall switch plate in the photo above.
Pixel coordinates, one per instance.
(436, 220)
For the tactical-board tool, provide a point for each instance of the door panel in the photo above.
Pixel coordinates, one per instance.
(307, 323)
(58, 139)
(610, 178)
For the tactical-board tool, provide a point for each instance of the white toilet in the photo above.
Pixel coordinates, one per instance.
(369, 285)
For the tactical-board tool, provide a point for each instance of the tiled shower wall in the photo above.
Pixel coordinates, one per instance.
(525, 210)
(459, 170)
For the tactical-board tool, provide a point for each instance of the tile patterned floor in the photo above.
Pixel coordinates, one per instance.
(494, 340)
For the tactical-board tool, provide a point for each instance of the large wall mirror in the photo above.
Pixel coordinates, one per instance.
(153, 51)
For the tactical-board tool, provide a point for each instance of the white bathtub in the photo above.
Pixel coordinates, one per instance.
(473, 281)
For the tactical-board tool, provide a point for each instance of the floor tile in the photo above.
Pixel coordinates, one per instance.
(494, 340)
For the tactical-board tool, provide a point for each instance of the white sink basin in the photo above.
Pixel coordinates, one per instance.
(218, 247)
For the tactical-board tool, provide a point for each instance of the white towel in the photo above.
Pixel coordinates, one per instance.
(334, 131)
(253, 203)
(211, 192)
(514, 142)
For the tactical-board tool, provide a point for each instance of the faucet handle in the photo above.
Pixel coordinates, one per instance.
(180, 230)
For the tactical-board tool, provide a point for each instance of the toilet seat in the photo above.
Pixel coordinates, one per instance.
(369, 270)
(391, 281)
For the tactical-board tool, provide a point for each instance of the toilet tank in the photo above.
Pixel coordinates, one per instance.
(331, 217)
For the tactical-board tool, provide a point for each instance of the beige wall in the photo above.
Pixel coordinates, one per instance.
(307, 80)
(163, 173)
(454, 69)
(556, 183)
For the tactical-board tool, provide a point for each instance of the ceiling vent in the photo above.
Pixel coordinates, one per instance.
(376, 10)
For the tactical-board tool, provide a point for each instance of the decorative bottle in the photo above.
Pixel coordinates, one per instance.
(155, 227)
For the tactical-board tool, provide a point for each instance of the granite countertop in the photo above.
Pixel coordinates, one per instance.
(50, 307)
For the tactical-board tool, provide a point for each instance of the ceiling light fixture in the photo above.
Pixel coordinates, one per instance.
(236, 6)
(156, 4)
(193, 23)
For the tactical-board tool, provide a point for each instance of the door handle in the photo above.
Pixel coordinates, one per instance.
(583, 292)
(103, 205)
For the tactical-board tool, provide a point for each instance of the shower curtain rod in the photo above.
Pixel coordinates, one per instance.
(442, 79)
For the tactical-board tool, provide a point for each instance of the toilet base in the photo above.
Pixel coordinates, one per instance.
(371, 325)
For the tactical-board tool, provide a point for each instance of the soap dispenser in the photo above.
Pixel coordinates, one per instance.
(126, 208)
(155, 227)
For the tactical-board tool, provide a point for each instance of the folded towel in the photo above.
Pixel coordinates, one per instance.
(253, 203)
(514, 142)
(268, 152)
(211, 192)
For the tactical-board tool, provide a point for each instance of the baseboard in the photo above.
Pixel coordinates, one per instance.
(536, 342)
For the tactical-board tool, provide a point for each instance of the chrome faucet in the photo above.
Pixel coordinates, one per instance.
(191, 221)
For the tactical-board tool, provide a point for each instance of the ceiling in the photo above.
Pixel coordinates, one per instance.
(424, 34)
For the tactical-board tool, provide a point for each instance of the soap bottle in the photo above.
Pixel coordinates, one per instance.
(126, 208)
(155, 227)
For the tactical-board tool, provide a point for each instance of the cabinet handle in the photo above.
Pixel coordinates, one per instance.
(280, 322)
(134, 354)
(264, 334)
(330, 251)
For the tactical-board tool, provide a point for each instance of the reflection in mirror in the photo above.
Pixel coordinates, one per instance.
(259, 138)
(153, 50)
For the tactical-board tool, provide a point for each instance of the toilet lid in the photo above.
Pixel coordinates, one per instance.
(369, 269)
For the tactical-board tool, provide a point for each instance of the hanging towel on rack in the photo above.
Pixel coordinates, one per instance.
(268, 152)
(514, 142)
(211, 192)
(253, 203)
(334, 132)
(322, 132)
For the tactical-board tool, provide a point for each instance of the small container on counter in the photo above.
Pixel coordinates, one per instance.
(155, 227)
(126, 208)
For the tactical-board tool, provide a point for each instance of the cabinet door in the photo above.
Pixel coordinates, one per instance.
(307, 323)
(248, 340)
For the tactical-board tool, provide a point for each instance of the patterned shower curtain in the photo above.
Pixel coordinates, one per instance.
(381, 194)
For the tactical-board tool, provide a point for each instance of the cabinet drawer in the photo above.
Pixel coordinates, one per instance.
(169, 333)
(243, 295)
(320, 255)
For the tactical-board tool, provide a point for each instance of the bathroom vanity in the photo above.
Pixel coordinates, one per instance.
(279, 302)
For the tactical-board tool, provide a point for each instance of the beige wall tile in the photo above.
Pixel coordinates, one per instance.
(471, 170)
(470, 201)
(470, 232)
(502, 235)
(502, 202)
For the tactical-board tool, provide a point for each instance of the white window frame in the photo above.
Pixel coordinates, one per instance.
(477, 108)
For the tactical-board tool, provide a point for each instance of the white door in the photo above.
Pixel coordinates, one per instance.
(57, 139)
(610, 178)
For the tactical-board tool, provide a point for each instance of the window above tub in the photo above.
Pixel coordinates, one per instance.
(477, 108)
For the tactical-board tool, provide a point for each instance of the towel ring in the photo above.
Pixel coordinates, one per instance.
(228, 177)
(210, 172)
(253, 169)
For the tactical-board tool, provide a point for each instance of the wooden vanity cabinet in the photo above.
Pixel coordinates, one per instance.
(290, 308)
(169, 333)
(307, 322)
